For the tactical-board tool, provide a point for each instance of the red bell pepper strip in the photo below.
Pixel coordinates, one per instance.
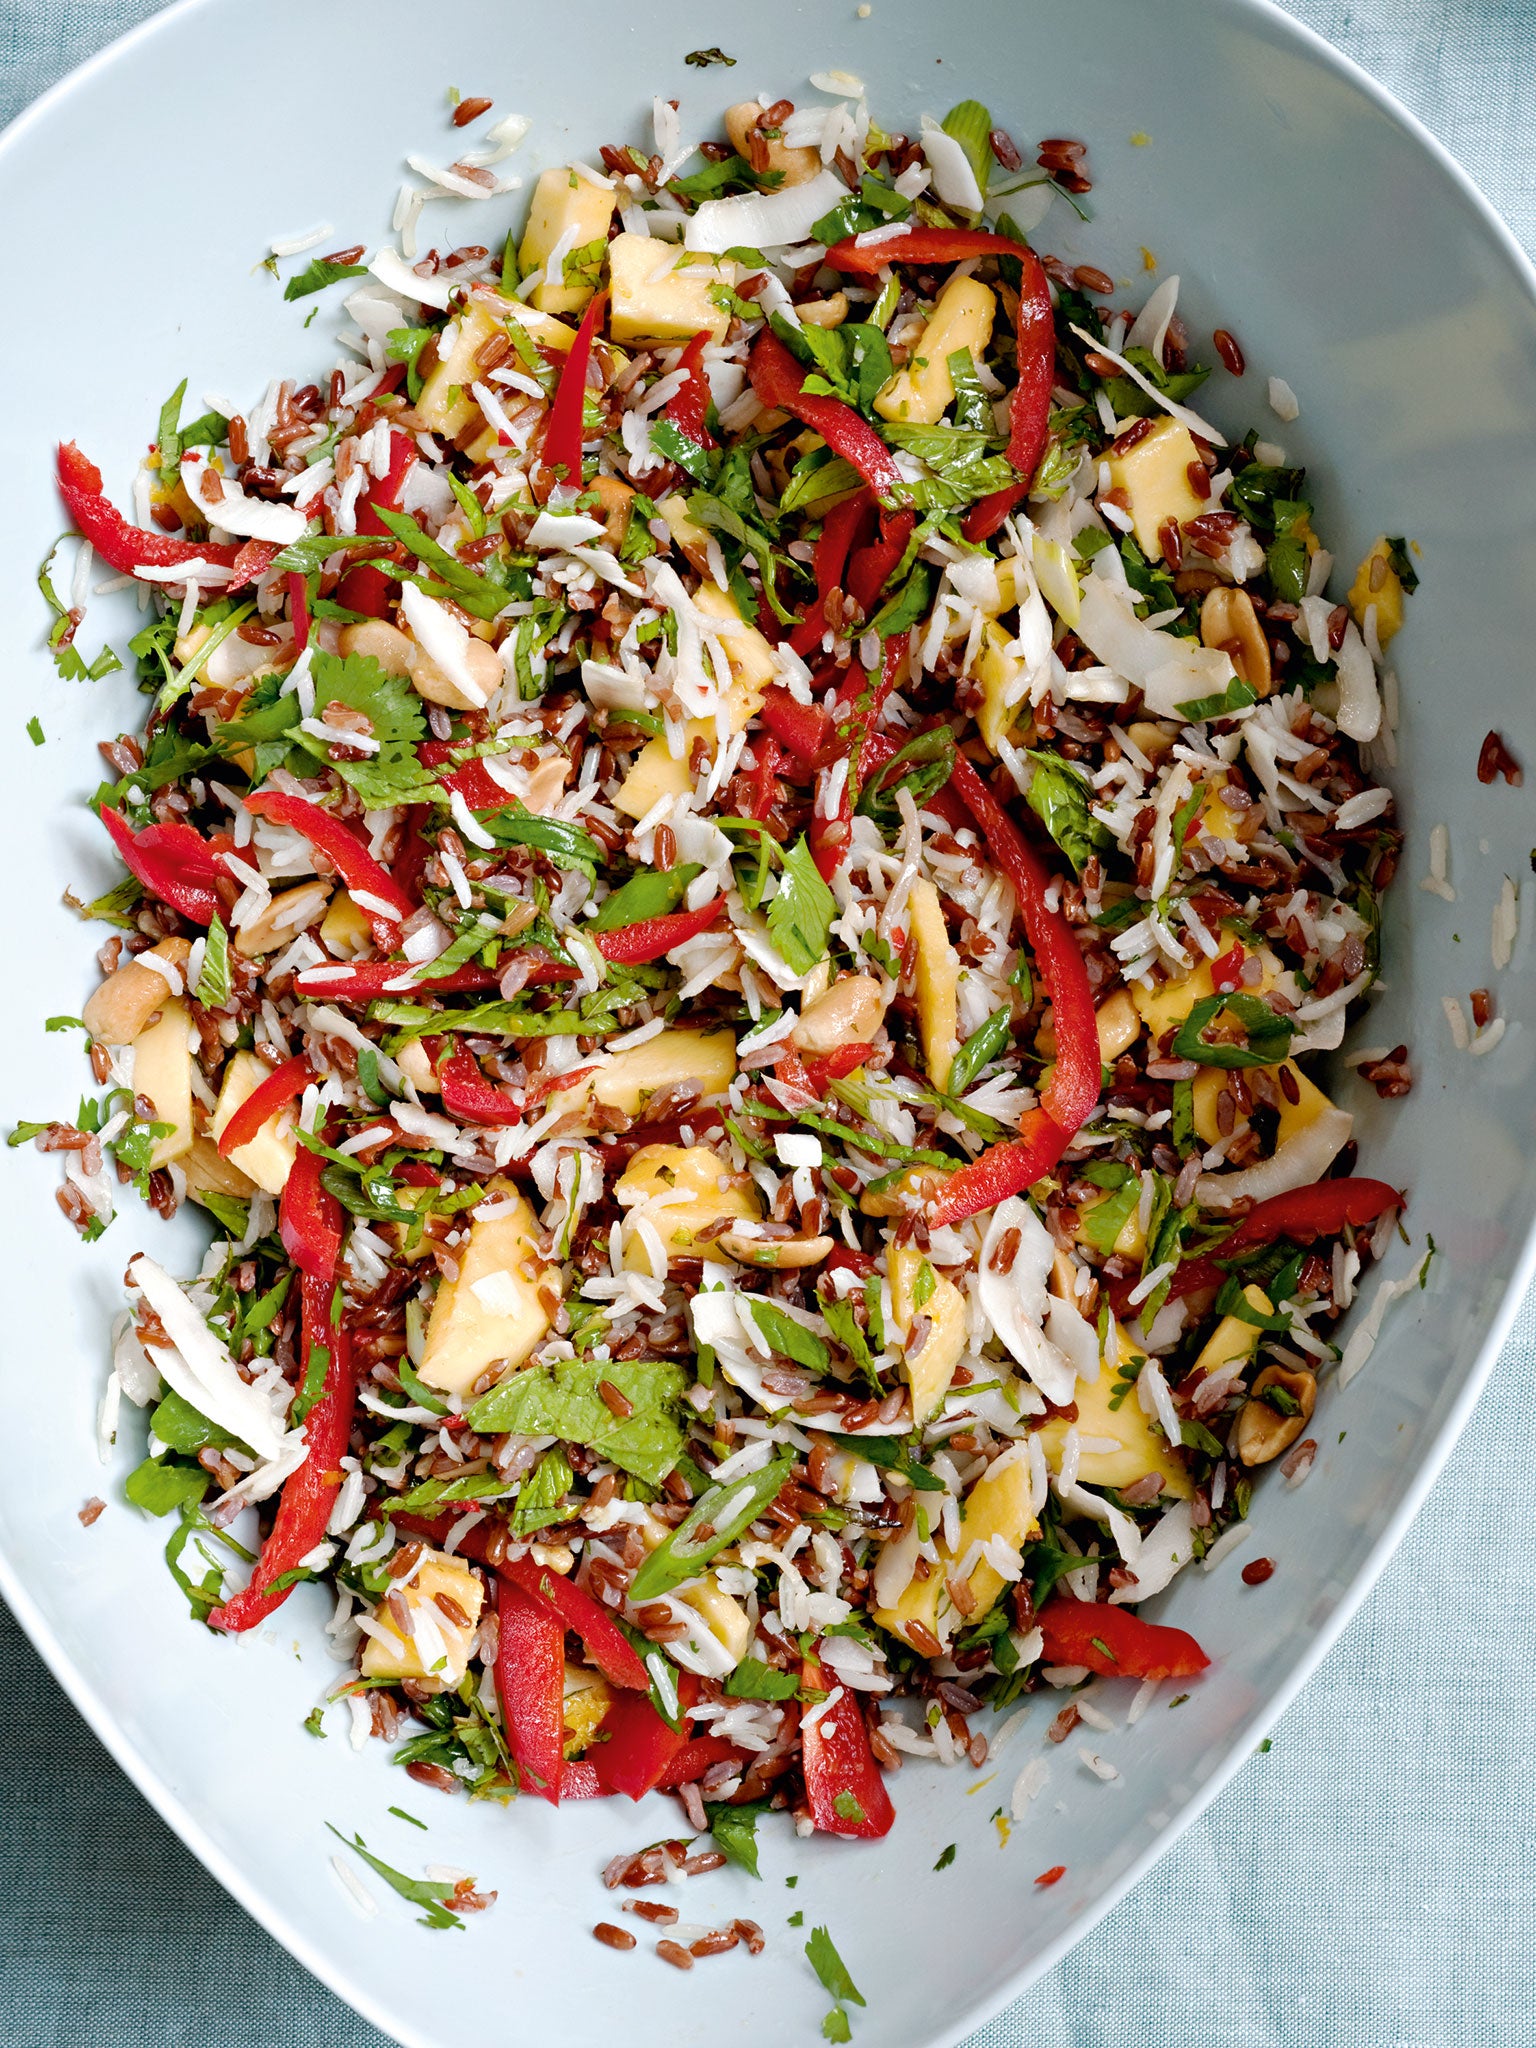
(1068, 1098)
(1227, 972)
(563, 435)
(310, 1492)
(633, 944)
(127, 548)
(868, 752)
(779, 381)
(804, 729)
(768, 759)
(265, 1100)
(694, 1759)
(346, 853)
(363, 588)
(471, 779)
(1321, 1210)
(298, 609)
(637, 1745)
(869, 568)
(1073, 1089)
(822, 1069)
(604, 1641)
(172, 861)
(840, 529)
(469, 1098)
(843, 1785)
(579, 1780)
(309, 1218)
(688, 409)
(530, 1677)
(1115, 1642)
(1029, 406)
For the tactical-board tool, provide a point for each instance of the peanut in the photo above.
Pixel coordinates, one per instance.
(850, 1012)
(289, 912)
(1229, 621)
(1262, 1432)
(776, 1254)
(398, 655)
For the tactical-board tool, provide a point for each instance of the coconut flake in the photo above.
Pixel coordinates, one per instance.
(1016, 1302)
(764, 220)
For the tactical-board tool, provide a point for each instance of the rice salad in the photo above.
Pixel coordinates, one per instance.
(749, 835)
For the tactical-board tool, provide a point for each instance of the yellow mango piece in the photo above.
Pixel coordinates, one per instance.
(749, 655)
(1311, 1103)
(1232, 1338)
(588, 1696)
(725, 1618)
(1378, 583)
(1132, 1241)
(162, 1070)
(494, 1313)
(268, 1157)
(892, 1201)
(924, 391)
(997, 1505)
(1000, 673)
(713, 1191)
(1204, 1089)
(571, 208)
(345, 932)
(1056, 574)
(657, 772)
(1155, 477)
(1170, 1002)
(661, 290)
(445, 404)
(937, 974)
(399, 1656)
(930, 1373)
(628, 1079)
(690, 537)
(1142, 1448)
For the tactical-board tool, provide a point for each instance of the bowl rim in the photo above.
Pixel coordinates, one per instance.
(268, 1914)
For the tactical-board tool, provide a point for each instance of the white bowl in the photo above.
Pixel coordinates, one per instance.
(1303, 210)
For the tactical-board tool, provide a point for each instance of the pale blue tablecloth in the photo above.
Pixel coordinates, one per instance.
(1369, 1883)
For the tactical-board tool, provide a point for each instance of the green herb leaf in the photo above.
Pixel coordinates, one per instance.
(734, 1829)
(1235, 697)
(834, 2026)
(180, 1427)
(783, 1334)
(946, 1857)
(162, 1485)
(645, 895)
(702, 59)
(1269, 1035)
(830, 1967)
(726, 1511)
(539, 1498)
(320, 274)
(213, 982)
(421, 1891)
(754, 1680)
(800, 915)
(562, 1400)
(1058, 796)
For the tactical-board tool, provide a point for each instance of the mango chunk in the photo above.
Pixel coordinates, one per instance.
(1170, 1002)
(438, 1647)
(495, 1312)
(996, 1506)
(1378, 583)
(930, 1373)
(446, 405)
(627, 1079)
(1000, 672)
(566, 207)
(1154, 474)
(1233, 1339)
(961, 318)
(746, 650)
(1141, 1447)
(712, 1191)
(588, 1696)
(162, 1070)
(268, 1157)
(662, 292)
(344, 930)
(937, 976)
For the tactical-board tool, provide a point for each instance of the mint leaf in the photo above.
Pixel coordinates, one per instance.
(562, 1400)
(320, 274)
(830, 1967)
(420, 1891)
(213, 982)
(800, 915)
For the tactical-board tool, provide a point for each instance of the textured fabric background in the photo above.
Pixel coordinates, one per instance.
(1368, 1883)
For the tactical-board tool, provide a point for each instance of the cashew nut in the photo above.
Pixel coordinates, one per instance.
(613, 496)
(767, 152)
(127, 1001)
(288, 913)
(1262, 1431)
(398, 655)
(850, 1012)
(824, 312)
(1229, 621)
(415, 1063)
(1119, 1025)
(777, 1254)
